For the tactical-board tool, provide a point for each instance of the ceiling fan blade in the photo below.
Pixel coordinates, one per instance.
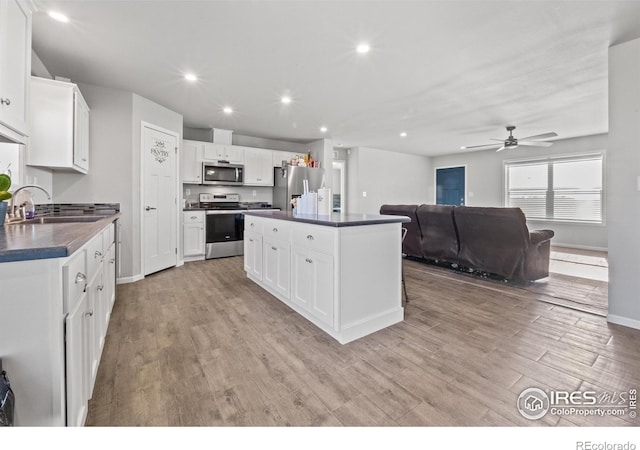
(540, 136)
(535, 143)
(487, 146)
(501, 148)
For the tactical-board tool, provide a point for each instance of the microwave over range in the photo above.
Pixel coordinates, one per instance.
(223, 174)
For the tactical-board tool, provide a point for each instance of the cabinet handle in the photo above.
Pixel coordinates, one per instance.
(275, 230)
(250, 240)
(194, 217)
(5, 101)
(310, 237)
(274, 248)
(149, 208)
(100, 287)
(84, 159)
(98, 254)
(89, 313)
(251, 223)
(112, 260)
(308, 260)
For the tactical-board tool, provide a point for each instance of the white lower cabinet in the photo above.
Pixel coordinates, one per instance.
(253, 254)
(193, 233)
(89, 292)
(312, 283)
(276, 270)
(77, 363)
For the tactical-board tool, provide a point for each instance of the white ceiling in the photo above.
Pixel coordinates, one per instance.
(449, 73)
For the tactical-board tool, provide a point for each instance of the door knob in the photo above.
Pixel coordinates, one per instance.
(149, 208)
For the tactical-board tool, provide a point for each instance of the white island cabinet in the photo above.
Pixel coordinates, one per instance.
(342, 273)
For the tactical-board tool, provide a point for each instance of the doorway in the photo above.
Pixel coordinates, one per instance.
(339, 186)
(159, 198)
(451, 186)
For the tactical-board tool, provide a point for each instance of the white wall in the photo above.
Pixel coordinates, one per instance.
(623, 178)
(110, 158)
(145, 110)
(386, 177)
(485, 184)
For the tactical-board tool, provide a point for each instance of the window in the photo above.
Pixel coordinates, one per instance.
(564, 189)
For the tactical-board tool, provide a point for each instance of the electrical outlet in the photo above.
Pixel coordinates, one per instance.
(187, 191)
(364, 193)
(253, 192)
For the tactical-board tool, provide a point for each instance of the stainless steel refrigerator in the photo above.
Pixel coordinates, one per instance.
(287, 184)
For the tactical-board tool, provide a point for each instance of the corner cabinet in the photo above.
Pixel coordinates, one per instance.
(60, 126)
(15, 68)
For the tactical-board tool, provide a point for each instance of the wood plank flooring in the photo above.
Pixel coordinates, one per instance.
(201, 345)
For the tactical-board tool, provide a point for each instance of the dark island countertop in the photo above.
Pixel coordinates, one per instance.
(334, 220)
(29, 241)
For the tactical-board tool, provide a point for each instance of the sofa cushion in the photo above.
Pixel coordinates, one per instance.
(492, 239)
(439, 237)
(411, 244)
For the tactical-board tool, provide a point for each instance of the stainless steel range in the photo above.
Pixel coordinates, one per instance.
(225, 223)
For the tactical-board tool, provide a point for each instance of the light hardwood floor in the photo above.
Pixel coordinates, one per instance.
(201, 345)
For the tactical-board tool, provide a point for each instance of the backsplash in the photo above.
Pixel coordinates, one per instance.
(78, 209)
(263, 194)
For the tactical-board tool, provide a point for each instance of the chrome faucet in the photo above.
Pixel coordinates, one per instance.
(12, 212)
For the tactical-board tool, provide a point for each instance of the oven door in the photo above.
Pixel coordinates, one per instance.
(218, 174)
(224, 234)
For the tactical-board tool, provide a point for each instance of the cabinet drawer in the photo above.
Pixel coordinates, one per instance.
(277, 229)
(95, 252)
(253, 224)
(314, 237)
(193, 217)
(75, 279)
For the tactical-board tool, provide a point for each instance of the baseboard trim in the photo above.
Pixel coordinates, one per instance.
(580, 247)
(625, 321)
(126, 280)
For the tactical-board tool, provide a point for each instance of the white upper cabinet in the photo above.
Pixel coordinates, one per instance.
(191, 161)
(232, 154)
(258, 167)
(15, 68)
(60, 126)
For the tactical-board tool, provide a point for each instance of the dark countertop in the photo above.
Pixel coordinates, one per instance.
(334, 220)
(22, 242)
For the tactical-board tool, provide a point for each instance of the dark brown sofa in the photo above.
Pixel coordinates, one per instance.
(493, 240)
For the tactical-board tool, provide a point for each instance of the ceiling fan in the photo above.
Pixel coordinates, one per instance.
(511, 142)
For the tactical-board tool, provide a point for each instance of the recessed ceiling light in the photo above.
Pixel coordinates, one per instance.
(58, 16)
(363, 48)
(323, 129)
(227, 110)
(403, 134)
(286, 100)
(190, 77)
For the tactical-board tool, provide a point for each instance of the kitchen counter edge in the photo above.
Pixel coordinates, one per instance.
(334, 220)
(73, 235)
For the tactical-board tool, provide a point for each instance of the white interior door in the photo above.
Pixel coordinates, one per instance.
(159, 199)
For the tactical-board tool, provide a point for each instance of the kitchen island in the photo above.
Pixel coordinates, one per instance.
(341, 272)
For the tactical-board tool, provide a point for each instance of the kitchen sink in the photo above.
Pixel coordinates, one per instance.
(58, 219)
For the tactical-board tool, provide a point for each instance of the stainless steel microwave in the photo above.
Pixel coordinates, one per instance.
(223, 174)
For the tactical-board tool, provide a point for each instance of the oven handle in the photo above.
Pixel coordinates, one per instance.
(225, 211)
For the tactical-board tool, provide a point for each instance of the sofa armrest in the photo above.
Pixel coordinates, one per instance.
(537, 237)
